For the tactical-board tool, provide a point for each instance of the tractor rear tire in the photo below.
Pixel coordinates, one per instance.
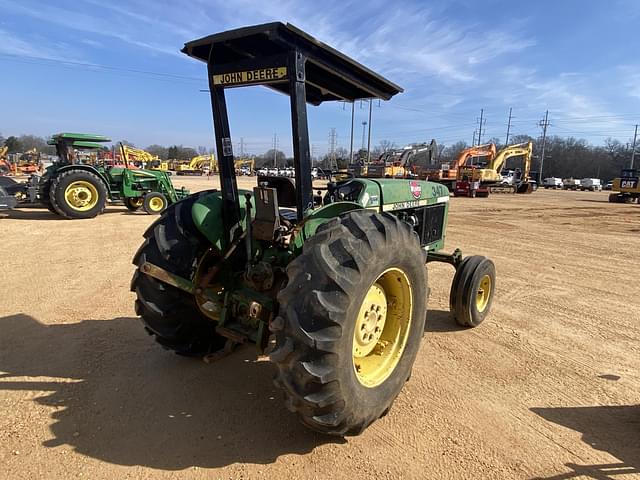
(472, 290)
(171, 315)
(90, 189)
(330, 378)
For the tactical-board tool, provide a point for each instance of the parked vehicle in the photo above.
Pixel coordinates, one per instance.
(552, 182)
(590, 184)
(571, 183)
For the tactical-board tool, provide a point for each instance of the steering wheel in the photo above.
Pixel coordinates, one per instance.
(350, 177)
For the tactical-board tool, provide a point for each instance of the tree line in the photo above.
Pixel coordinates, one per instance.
(564, 156)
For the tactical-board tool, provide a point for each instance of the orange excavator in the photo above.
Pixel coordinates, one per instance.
(29, 162)
(447, 173)
(486, 177)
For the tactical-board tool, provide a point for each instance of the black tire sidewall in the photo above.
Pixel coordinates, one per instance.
(320, 305)
(466, 309)
(60, 183)
(128, 202)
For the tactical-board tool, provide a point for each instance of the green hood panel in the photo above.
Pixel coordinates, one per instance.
(406, 190)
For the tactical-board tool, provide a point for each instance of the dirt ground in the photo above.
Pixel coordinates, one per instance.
(547, 387)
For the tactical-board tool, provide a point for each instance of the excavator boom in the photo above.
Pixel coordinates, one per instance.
(197, 165)
(447, 172)
(487, 178)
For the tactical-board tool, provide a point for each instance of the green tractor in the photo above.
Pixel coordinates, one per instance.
(331, 280)
(73, 189)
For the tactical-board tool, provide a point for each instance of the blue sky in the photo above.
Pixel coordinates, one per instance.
(579, 59)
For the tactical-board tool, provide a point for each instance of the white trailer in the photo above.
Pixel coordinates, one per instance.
(571, 183)
(552, 182)
(591, 184)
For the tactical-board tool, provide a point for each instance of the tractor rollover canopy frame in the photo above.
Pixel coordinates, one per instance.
(286, 59)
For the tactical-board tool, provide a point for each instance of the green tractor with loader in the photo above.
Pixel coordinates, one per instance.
(74, 189)
(329, 280)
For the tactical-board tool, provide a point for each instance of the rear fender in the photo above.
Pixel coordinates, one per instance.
(207, 217)
(317, 217)
(86, 168)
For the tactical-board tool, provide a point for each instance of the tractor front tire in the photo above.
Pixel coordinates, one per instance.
(472, 290)
(44, 188)
(78, 194)
(171, 315)
(350, 322)
(154, 203)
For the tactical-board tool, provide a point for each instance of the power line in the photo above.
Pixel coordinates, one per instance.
(633, 149)
(353, 110)
(544, 124)
(482, 122)
(92, 66)
(332, 148)
(275, 150)
(369, 138)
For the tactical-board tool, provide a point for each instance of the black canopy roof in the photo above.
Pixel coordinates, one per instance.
(330, 75)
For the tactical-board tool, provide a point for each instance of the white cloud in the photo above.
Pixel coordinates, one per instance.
(11, 44)
(83, 22)
(631, 80)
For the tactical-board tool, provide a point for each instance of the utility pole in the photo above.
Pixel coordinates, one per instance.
(480, 127)
(506, 142)
(633, 149)
(364, 130)
(544, 124)
(353, 113)
(275, 150)
(241, 147)
(332, 148)
(369, 138)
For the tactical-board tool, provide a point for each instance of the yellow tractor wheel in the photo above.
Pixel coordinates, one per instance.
(154, 203)
(472, 290)
(351, 320)
(78, 193)
(133, 203)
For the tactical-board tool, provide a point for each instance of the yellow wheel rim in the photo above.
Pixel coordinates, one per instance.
(156, 204)
(81, 195)
(483, 294)
(382, 327)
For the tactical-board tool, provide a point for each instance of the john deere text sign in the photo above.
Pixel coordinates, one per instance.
(264, 75)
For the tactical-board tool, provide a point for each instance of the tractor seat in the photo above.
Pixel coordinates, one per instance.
(288, 214)
(285, 189)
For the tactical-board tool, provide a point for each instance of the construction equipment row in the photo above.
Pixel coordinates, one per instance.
(73, 189)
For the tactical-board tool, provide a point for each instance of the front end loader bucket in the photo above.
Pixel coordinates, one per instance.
(525, 188)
